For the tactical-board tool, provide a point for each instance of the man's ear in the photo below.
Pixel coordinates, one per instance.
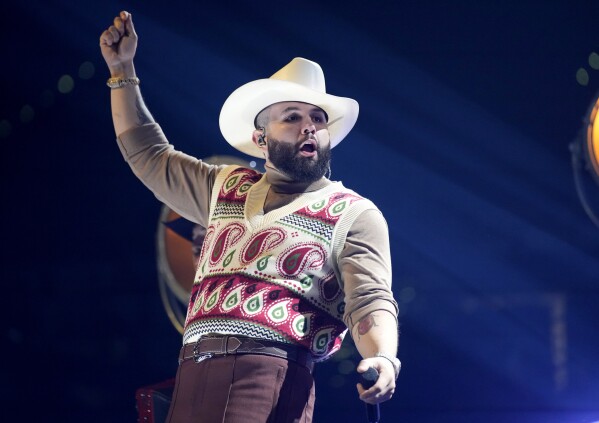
(259, 138)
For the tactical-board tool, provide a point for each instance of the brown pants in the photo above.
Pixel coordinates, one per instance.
(243, 388)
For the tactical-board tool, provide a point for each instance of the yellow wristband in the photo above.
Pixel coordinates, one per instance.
(121, 82)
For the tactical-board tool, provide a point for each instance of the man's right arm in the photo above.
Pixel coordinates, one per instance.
(182, 182)
(118, 44)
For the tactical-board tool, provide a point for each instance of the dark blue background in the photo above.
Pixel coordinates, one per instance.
(467, 111)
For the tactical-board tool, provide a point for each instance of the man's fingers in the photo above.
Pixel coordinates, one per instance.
(106, 38)
(116, 36)
(375, 395)
(362, 366)
(119, 25)
(122, 26)
(129, 26)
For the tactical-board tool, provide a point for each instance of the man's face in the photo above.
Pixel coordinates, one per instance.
(295, 145)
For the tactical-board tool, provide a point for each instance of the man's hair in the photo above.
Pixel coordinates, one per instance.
(262, 118)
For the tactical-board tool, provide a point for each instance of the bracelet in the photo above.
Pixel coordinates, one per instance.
(121, 82)
(393, 360)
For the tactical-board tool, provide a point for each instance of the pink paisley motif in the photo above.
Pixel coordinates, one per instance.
(323, 209)
(229, 236)
(329, 287)
(301, 257)
(261, 243)
(238, 183)
(338, 204)
(206, 242)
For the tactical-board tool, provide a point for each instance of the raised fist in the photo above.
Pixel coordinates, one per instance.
(119, 42)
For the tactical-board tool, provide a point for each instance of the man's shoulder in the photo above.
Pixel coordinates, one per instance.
(348, 193)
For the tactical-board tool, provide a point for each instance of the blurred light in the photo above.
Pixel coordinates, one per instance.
(582, 77)
(346, 367)
(347, 350)
(5, 128)
(407, 295)
(594, 60)
(27, 114)
(66, 84)
(46, 98)
(87, 70)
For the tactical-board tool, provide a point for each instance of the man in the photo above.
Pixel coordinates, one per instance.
(290, 258)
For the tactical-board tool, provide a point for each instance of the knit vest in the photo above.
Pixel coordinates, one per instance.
(273, 276)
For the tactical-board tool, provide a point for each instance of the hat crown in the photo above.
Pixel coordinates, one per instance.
(303, 72)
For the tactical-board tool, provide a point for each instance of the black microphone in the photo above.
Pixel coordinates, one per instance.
(367, 380)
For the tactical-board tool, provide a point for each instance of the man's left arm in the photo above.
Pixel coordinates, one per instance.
(375, 337)
(371, 310)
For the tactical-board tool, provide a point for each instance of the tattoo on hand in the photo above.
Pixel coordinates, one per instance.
(366, 324)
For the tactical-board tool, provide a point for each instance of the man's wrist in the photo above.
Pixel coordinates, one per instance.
(393, 360)
(124, 70)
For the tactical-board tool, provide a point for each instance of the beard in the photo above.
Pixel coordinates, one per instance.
(284, 156)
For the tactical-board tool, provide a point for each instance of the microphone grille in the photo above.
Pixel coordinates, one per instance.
(369, 377)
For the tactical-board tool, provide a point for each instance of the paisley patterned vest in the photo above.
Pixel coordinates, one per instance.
(273, 276)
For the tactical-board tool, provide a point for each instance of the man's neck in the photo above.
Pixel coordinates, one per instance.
(283, 184)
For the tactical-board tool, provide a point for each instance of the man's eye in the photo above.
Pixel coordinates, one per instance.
(291, 118)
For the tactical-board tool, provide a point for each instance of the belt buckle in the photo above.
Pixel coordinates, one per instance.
(198, 357)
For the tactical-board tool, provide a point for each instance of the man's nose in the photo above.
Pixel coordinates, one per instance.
(309, 128)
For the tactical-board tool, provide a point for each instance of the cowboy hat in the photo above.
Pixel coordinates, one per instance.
(300, 80)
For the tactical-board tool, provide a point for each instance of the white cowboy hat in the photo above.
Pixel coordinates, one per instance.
(300, 80)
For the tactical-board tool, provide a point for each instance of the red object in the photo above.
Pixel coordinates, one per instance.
(153, 401)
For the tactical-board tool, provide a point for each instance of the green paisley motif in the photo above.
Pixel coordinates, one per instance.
(263, 262)
(198, 304)
(317, 206)
(212, 300)
(228, 259)
(322, 341)
(231, 182)
(232, 300)
(254, 304)
(306, 281)
(301, 325)
(278, 313)
(338, 208)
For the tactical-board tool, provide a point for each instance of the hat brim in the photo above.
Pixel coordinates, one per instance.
(237, 116)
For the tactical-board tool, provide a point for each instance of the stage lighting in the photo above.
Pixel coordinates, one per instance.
(585, 158)
(591, 149)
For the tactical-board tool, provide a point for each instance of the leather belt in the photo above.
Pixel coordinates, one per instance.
(209, 346)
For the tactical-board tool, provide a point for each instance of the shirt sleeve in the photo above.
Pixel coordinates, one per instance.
(365, 267)
(182, 182)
